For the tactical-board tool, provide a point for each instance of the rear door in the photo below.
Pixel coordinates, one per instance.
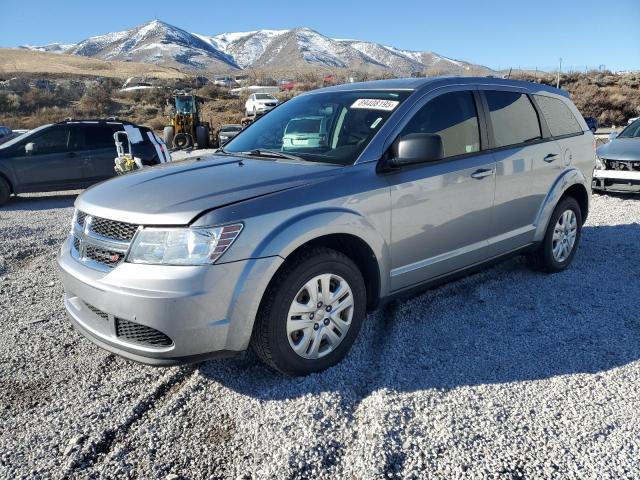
(52, 164)
(527, 164)
(95, 144)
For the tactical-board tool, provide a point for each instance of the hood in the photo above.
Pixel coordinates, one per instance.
(174, 194)
(621, 149)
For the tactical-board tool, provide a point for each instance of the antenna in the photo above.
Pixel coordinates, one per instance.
(509, 75)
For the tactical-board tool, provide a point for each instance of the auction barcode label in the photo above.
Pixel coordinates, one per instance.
(375, 104)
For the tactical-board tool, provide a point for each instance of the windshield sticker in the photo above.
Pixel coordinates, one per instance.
(375, 124)
(375, 104)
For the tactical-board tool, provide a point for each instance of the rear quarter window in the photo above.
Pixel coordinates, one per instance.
(559, 117)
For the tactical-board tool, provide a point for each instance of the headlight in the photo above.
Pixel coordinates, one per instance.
(600, 164)
(182, 246)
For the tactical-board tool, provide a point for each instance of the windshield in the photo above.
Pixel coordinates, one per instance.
(329, 127)
(185, 105)
(264, 96)
(22, 136)
(632, 131)
(231, 128)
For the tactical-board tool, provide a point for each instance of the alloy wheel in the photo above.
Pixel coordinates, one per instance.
(564, 236)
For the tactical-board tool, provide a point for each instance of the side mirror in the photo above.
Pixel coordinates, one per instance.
(417, 148)
(30, 148)
(613, 135)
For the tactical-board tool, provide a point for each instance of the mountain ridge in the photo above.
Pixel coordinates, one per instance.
(160, 43)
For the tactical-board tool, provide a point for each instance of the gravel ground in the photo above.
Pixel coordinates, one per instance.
(505, 374)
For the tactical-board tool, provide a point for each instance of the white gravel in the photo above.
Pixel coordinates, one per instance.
(505, 374)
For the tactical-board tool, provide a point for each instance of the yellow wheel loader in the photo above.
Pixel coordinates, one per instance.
(187, 128)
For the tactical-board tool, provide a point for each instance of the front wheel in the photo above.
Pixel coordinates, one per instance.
(311, 313)
(561, 239)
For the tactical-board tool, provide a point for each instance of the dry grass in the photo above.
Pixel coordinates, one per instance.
(19, 62)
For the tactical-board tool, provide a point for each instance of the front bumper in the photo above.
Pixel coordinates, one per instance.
(203, 310)
(616, 180)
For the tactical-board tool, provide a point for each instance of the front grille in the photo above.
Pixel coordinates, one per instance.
(134, 332)
(107, 257)
(98, 312)
(92, 237)
(623, 165)
(111, 229)
(80, 216)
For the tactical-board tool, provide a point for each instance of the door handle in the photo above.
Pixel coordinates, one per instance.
(483, 172)
(551, 157)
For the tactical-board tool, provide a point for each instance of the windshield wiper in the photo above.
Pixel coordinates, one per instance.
(272, 153)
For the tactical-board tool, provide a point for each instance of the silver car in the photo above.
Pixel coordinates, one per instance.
(618, 162)
(419, 181)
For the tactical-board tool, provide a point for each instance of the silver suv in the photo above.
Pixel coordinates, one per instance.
(418, 181)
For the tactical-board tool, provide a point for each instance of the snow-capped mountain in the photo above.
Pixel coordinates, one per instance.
(160, 43)
(51, 48)
(156, 42)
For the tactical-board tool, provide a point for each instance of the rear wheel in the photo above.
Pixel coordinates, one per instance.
(561, 239)
(167, 136)
(5, 191)
(311, 313)
(202, 136)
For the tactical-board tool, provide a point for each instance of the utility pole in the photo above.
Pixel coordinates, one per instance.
(559, 70)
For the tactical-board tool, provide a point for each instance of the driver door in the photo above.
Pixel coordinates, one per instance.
(52, 164)
(441, 210)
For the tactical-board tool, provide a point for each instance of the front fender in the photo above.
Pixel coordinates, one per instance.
(565, 180)
(298, 230)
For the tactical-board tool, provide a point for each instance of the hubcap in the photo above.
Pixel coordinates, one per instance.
(320, 316)
(564, 236)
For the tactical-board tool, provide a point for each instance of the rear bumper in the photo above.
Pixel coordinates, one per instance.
(204, 311)
(616, 180)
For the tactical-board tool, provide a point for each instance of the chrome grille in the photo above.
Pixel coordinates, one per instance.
(99, 242)
(111, 229)
(134, 332)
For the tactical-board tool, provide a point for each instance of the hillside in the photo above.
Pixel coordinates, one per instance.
(163, 44)
(22, 61)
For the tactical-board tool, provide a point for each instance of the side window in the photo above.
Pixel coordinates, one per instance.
(89, 137)
(453, 116)
(558, 116)
(513, 118)
(54, 140)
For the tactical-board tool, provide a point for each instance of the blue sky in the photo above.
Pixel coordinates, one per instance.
(499, 34)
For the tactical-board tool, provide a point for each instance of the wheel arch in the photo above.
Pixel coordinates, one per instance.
(6, 178)
(358, 251)
(340, 229)
(571, 182)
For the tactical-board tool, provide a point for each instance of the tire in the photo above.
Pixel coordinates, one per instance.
(202, 136)
(543, 258)
(274, 335)
(167, 136)
(5, 191)
(255, 111)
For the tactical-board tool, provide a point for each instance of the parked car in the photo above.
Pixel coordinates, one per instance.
(227, 132)
(420, 181)
(260, 103)
(305, 132)
(631, 120)
(592, 123)
(70, 155)
(224, 81)
(618, 162)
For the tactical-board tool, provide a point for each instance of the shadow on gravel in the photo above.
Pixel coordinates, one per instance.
(40, 202)
(506, 324)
